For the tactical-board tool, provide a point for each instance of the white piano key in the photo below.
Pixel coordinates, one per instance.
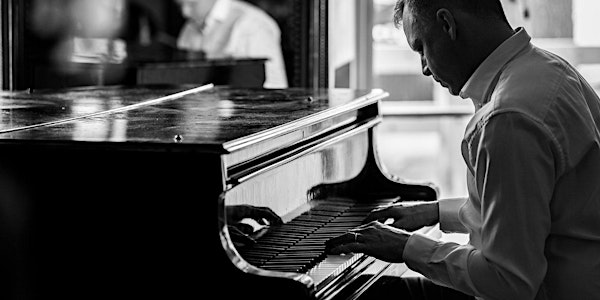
(332, 265)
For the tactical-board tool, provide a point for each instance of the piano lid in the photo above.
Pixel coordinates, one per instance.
(218, 119)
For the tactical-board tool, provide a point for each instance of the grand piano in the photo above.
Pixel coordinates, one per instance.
(124, 192)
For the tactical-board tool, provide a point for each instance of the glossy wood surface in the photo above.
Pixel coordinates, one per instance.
(209, 118)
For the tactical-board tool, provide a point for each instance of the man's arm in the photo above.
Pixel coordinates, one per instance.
(514, 175)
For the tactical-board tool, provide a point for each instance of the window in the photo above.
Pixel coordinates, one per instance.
(423, 125)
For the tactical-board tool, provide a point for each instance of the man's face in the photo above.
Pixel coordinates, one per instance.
(196, 10)
(439, 57)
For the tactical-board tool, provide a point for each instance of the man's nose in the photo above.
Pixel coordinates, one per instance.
(424, 67)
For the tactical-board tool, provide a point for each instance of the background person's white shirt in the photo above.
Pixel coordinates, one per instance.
(238, 29)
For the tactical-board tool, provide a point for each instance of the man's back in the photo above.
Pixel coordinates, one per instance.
(544, 89)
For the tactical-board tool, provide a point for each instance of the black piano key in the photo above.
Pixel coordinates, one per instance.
(310, 242)
(324, 213)
(342, 225)
(276, 243)
(272, 240)
(294, 228)
(314, 218)
(358, 212)
(255, 262)
(284, 234)
(316, 238)
(295, 269)
(289, 261)
(259, 254)
(321, 234)
(303, 223)
(282, 237)
(334, 231)
(313, 239)
(332, 208)
(301, 254)
(295, 232)
(323, 209)
(351, 218)
(306, 248)
(268, 248)
(264, 250)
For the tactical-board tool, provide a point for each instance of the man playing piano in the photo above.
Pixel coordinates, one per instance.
(532, 151)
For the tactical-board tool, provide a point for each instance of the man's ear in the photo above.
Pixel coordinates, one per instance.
(446, 19)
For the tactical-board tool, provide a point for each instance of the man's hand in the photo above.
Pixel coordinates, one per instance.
(378, 240)
(242, 233)
(239, 238)
(262, 215)
(407, 216)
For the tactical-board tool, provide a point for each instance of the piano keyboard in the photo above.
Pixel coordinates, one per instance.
(299, 245)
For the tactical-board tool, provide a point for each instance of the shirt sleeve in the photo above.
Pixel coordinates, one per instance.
(449, 210)
(514, 174)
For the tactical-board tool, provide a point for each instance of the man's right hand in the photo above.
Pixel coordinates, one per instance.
(405, 216)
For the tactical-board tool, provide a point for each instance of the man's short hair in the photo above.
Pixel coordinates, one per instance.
(426, 9)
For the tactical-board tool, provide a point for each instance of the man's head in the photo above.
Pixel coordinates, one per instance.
(196, 10)
(452, 36)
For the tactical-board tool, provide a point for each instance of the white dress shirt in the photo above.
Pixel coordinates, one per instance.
(532, 150)
(238, 29)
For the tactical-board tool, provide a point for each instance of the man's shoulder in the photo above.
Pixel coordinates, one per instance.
(534, 76)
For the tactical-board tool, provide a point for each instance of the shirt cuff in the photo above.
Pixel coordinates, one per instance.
(449, 215)
(418, 251)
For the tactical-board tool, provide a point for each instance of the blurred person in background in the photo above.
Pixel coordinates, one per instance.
(236, 29)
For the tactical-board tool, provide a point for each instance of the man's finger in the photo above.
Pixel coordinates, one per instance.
(346, 238)
(379, 215)
(245, 228)
(363, 226)
(347, 248)
(261, 213)
(239, 237)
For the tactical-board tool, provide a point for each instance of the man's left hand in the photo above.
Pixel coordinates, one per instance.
(375, 239)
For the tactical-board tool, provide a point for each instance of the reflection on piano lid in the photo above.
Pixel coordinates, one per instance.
(103, 196)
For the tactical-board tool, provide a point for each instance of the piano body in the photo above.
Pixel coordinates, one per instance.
(122, 192)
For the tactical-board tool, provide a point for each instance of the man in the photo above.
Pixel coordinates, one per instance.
(532, 150)
(233, 28)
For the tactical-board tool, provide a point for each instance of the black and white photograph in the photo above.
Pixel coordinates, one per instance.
(300, 149)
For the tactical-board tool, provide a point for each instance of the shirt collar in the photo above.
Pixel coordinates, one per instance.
(484, 76)
(218, 13)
